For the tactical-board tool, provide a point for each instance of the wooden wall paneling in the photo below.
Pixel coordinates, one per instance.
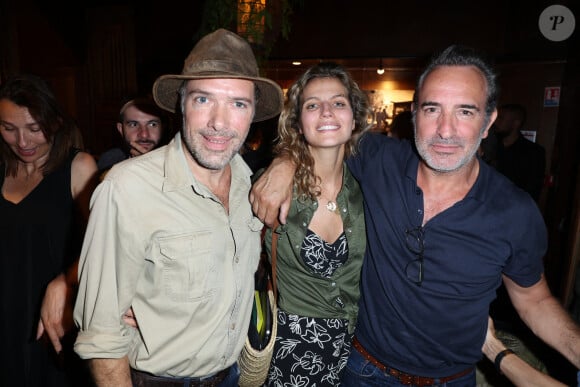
(111, 70)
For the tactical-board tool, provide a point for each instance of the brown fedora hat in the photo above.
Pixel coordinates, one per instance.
(221, 54)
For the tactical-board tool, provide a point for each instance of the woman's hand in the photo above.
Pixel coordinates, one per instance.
(271, 194)
(56, 312)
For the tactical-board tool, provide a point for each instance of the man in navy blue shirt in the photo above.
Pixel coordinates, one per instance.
(443, 230)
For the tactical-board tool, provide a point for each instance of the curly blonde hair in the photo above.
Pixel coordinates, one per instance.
(291, 143)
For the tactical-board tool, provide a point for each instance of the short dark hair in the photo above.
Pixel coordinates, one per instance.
(458, 55)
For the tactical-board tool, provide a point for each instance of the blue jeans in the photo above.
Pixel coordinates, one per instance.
(233, 377)
(359, 372)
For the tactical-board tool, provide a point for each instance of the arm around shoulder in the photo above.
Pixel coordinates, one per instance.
(271, 194)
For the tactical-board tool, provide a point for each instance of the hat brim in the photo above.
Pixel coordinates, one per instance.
(268, 105)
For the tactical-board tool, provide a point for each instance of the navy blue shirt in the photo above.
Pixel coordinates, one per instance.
(437, 328)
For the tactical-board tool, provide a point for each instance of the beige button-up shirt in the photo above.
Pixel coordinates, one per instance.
(161, 242)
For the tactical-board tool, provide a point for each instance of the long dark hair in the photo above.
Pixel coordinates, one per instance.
(59, 129)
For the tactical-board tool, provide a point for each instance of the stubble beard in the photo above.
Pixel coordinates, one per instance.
(208, 159)
(431, 161)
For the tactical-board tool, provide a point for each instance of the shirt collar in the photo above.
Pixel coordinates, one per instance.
(476, 192)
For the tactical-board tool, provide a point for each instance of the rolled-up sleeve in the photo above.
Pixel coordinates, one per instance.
(160, 242)
(108, 272)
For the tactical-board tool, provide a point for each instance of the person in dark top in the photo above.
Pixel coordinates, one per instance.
(524, 163)
(402, 126)
(143, 127)
(521, 160)
(257, 149)
(46, 184)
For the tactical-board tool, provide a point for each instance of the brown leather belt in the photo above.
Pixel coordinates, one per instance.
(143, 379)
(403, 377)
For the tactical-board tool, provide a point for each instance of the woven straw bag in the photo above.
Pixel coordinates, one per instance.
(254, 363)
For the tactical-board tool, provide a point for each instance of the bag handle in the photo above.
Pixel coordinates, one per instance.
(274, 254)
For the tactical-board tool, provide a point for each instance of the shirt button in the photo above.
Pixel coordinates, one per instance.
(233, 327)
(304, 224)
(344, 210)
(419, 211)
(333, 284)
(237, 259)
(349, 230)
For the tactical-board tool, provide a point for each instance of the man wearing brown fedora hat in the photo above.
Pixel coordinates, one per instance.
(172, 236)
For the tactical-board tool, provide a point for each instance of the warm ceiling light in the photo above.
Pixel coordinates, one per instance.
(380, 70)
(296, 63)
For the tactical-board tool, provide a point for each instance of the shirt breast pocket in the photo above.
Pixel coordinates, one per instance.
(188, 270)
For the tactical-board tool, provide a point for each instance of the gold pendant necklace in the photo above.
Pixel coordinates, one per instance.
(331, 205)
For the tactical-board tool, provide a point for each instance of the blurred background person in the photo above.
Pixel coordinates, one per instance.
(402, 126)
(524, 163)
(382, 123)
(521, 160)
(143, 127)
(321, 246)
(257, 149)
(46, 184)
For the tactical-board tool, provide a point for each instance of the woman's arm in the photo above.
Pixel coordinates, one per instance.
(512, 366)
(56, 310)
